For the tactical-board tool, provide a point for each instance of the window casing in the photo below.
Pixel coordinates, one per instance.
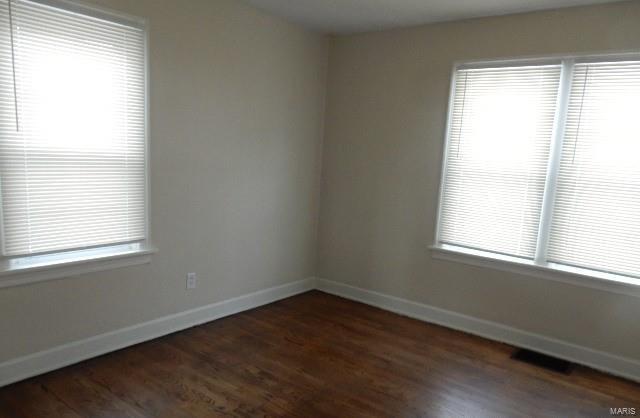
(542, 165)
(73, 133)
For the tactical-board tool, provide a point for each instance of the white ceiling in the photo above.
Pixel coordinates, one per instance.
(348, 16)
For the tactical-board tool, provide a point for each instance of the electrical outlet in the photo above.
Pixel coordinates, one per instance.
(192, 281)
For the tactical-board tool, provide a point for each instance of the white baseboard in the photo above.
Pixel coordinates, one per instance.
(64, 355)
(77, 351)
(610, 363)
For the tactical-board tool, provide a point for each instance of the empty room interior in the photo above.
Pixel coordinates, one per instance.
(310, 208)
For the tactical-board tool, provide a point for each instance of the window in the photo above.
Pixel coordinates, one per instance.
(542, 165)
(72, 129)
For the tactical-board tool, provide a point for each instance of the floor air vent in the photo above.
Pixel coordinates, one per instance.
(543, 361)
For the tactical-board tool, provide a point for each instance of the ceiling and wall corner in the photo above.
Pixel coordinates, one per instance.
(351, 16)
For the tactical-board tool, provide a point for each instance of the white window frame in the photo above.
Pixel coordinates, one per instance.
(538, 267)
(21, 270)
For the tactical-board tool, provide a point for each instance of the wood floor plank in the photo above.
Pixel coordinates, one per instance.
(126, 380)
(30, 399)
(85, 397)
(316, 355)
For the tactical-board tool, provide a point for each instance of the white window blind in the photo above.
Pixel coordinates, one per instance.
(72, 129)
(500, 131)
(543, 163)
(596, 217)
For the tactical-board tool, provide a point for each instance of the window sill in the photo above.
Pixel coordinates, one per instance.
(550, 271)
(33, 269)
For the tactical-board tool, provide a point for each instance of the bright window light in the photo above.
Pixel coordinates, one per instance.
(73, 129)
(500, 135)
(543, 163)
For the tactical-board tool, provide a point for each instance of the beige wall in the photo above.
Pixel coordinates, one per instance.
(386, 114)
(237, 102)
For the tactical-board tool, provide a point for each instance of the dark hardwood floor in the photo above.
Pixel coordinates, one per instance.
(315, 355)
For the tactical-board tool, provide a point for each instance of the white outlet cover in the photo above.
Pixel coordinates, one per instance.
(192, 281)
